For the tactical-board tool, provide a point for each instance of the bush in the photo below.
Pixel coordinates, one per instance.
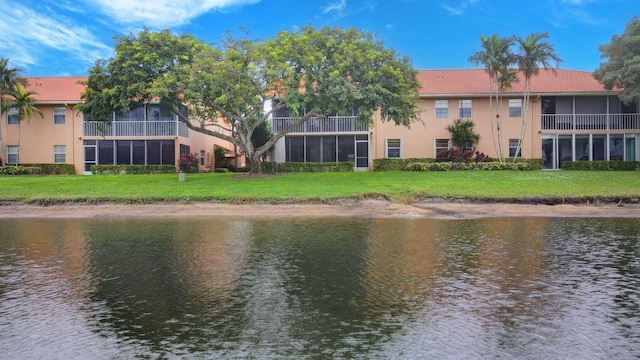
(268, 167)
(20, 170)
(314, 167)
(54, 169)
(189, 163)
(617, 165)
(132, 169)
(221, 170)
(387, 164)
(465, 156)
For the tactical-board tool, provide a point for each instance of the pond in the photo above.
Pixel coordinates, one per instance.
(228, 288)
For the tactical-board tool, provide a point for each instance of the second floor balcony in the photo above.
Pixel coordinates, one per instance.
(135, 129)
(590, 122)
(329, 124)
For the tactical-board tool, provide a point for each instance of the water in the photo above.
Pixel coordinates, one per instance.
(528, 288)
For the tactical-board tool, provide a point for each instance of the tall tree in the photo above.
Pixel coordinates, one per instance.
(24, 103)
(535, 52)
(312, 72)
(9, 79)
(622, 69)
(498, 60)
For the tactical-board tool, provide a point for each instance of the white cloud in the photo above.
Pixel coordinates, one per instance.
(162, 13)
(460, 8)
(26, 34)
(338, 6)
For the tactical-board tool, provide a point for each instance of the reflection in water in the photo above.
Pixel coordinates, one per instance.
(329, 288)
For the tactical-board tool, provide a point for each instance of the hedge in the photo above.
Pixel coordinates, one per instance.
(54, 169)
(386, 164)
(270, 167)
(132, 169)
(447, 166)
(20, 170)
(617, 165)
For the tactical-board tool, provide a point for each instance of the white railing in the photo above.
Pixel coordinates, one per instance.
(591, 122)
(131, 128)
(183, 130)
(329, 124)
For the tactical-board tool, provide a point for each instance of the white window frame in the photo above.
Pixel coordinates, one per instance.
(202, 157)
(442, 109)
(12, 116)
(513, 145)
(515, 108)
(437, 149)
(59, 154)
(464, 106)
(389, 146)
(59, 115)
(13, 155)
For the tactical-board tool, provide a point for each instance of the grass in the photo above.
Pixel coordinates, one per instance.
(528, 186)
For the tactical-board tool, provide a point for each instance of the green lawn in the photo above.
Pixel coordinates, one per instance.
(314, 187)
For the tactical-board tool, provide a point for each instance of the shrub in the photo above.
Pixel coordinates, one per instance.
(617, 165)
(54, 169)
(221, 170)
(315, 167)
(465, 156)
(189, 163)
(387, 164)
(132, 169)
(20, 170)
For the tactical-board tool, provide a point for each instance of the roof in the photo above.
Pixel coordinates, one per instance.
(476, 82)
(58, 89)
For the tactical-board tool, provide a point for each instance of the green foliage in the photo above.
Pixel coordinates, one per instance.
(462, 135)
(386, 164)
(465, 156)
(268, 167)
(132, 169)
(20, 170)
(286, 167)
(447, 166)
(54, 169)
(219, 156)
(311, 71)
(622, 68)
(617, 165)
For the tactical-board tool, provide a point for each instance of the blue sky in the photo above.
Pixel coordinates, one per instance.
(66, 37)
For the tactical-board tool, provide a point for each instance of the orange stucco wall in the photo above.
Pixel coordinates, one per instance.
(419, 140)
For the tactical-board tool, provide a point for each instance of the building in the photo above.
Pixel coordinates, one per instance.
(571, 117)
(148, 135)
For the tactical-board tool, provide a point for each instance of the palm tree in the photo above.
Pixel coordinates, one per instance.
(535, 52)
(498, 60)
(9, 79)
(23, 101)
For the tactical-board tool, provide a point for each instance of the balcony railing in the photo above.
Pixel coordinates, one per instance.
(591, 122)
(329, 124)
(135, 128)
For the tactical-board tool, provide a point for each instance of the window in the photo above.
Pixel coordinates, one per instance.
(59, 154)
(513, 145)
(441, 145)
(442, 109)
(12, 155)
(59, 115)
(202, 155)
(12, 116)
(515, 107)
(464, 109)
(394, 147)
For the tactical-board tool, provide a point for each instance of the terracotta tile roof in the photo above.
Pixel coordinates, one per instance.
(57, 88)
(476, 82)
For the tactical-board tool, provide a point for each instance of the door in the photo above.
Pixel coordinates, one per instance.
(362, 152)
(548, 152)
(90, 157)
(630, 149)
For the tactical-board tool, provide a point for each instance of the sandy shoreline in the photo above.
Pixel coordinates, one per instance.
(357, 209)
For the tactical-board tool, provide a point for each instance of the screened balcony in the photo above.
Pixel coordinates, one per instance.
(591, 122)
(329, 124)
